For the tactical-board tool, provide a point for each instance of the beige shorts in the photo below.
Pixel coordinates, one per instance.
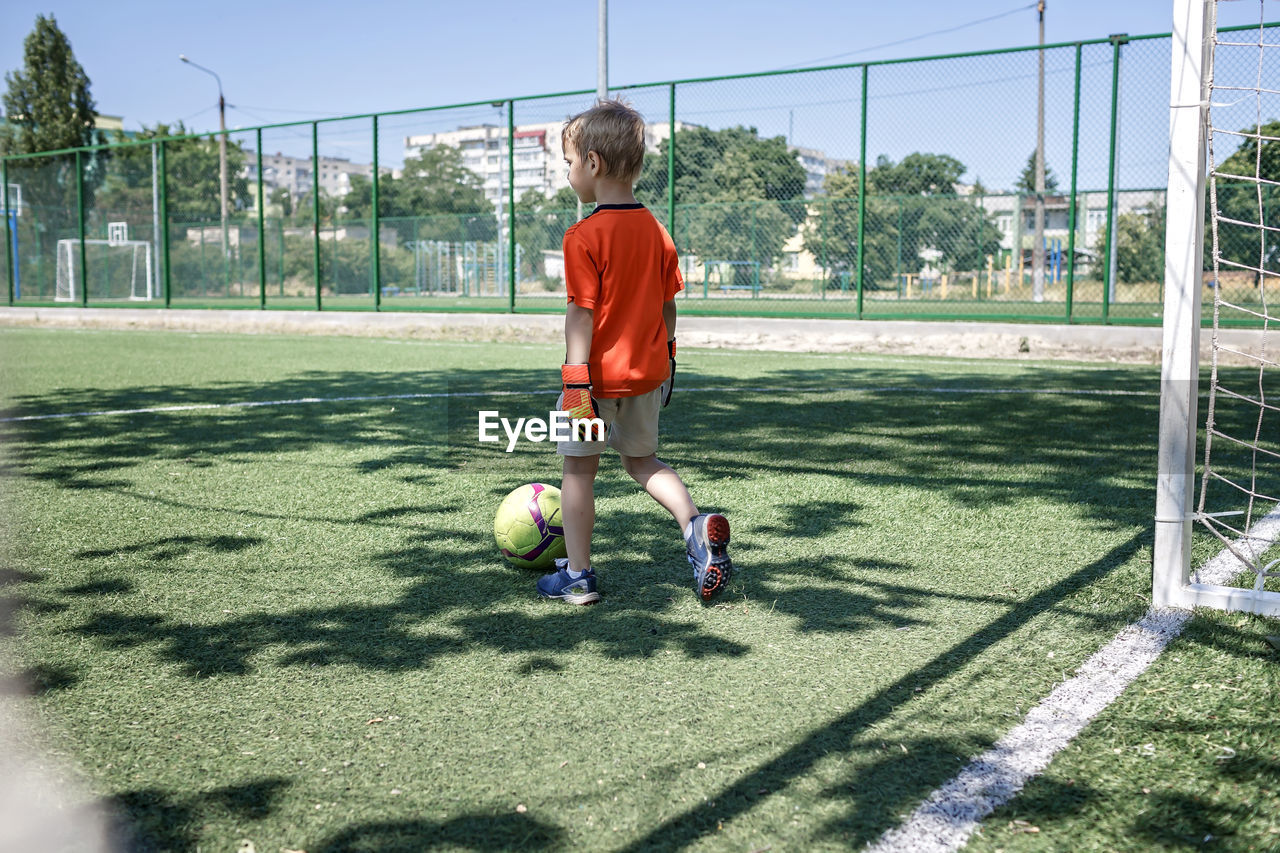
(632, 424)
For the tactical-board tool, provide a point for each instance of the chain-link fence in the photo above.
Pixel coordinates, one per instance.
(885, 189)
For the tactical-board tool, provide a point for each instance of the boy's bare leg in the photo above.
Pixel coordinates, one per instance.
(663, 485)
(578, 508)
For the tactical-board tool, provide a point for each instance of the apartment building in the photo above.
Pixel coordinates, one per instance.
(295, 173)
(817, 165)
(1015, 216)
(537, 149)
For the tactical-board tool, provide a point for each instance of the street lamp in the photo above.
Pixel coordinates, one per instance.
(222, 149)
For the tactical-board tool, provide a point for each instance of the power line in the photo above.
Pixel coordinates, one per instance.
(909, 38)
(186, 119)
(295, 112)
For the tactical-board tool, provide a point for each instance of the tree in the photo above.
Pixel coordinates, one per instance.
(540, 224)
(281, 198)
(742, 196)
(735, 225)
(1139, 247)
(775, 172)
(1240, 200)
(48, 107)
(192, 185)
(443, 197)
(911, 206)
(831, 235)
(1027, 180)
(916, 174)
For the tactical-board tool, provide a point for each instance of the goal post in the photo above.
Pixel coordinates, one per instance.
(1245, 520)
(118, 270)
(1180, 351)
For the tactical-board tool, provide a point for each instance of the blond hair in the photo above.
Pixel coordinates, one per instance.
(615, 131)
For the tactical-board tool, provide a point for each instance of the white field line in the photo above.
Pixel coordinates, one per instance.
(944, 821)
(301, 401)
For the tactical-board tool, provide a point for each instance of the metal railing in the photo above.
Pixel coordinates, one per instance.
(896, 188)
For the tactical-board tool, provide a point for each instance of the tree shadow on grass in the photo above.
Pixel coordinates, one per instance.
(169, 547)
(467, 832)
(1165, 815)
(874, 796)
(152, 819)
(1230, 793)
(192, 425)
(985, 449)
(47, 678)
(451, 608)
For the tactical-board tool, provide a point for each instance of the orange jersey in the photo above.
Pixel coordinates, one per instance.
(621, 264)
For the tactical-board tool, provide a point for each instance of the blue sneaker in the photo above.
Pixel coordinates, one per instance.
(558, 584)
(708, 551)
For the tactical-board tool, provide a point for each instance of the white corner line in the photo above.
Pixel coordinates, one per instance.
(944, 821)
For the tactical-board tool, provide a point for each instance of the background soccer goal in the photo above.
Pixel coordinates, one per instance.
(1224, 144)
(115, 268)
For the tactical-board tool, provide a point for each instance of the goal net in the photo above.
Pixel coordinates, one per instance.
(1222, 255)
(113, 269)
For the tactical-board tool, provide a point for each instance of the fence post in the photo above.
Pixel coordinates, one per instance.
(511, 206)
(315, 208)
(83, 275)
(262, 232)
(8, 238)
(1071, 214)
(374, 226)
(671, 160)
(1018, 228)
(982, 222)
(897, 265)
(164, 225)
(1116, 41)
(822, 223)
(280, 241)
(862, 187)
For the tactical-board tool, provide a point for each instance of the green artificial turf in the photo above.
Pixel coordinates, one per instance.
(290, 623)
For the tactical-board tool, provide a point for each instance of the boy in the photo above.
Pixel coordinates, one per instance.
(622, 276)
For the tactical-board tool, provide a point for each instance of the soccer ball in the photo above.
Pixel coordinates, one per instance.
(528, 527)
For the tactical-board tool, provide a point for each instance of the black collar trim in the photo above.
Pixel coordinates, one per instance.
(636, 206)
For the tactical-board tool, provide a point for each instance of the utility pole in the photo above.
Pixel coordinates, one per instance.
(1037, 247)
(602, 58)
(223, 204)
(602, 51)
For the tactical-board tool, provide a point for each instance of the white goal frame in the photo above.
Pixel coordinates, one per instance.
(1189, 94)
(142, 284)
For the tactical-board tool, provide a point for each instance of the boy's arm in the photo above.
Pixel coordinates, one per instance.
(575, 375)
(577, 333)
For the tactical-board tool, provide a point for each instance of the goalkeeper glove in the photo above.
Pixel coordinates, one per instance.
(575, 382)
(670, 384)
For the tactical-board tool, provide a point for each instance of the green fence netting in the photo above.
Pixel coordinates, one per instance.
(885, 189)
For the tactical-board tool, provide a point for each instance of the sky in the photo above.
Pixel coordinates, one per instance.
(293, 62)
(289, 61)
